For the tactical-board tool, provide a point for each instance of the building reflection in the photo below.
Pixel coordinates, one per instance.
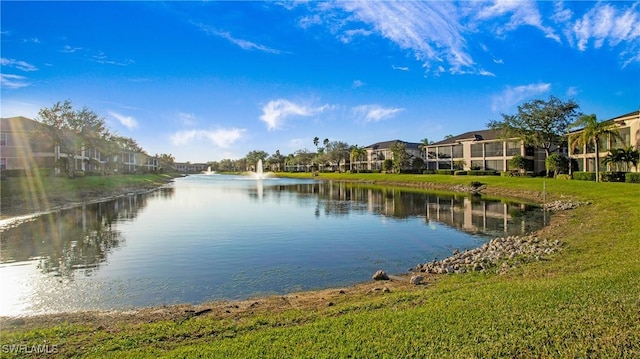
(472, 214)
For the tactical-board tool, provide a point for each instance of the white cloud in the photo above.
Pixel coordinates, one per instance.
(243, 44)
(430, 30)
(187, 119)
(127, 121)
(349, 35)
(400, 68)
(605, 23)
(13, 81)
(511, 96)
(357, 83)
(276, 111)
(519, 13)
(69, 49)
(572, 91)
(222, 138)
(20, 65)
(375, 113)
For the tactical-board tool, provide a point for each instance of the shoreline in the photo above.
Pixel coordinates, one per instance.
(308, 300)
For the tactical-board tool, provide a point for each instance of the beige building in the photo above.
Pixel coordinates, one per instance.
(480, 150)
(629, 131)
(378, 152)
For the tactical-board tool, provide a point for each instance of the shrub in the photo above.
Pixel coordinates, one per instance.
(475, 184)
(563, 177)
(584, 176)
(428, 172)
(482, 173)
(460, 173)
(445, 172)
(78, 173)
(612, 176)
(506, 174)
(632, 177)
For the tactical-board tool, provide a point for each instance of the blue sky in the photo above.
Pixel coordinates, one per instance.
(211, 80)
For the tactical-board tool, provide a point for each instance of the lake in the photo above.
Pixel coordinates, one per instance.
(212, 237)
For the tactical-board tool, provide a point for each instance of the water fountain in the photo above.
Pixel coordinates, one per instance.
(209, 171)
(259, 173)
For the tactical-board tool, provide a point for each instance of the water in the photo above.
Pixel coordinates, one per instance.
(231, 237)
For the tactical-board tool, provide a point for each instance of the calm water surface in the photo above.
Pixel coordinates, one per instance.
(230, 237)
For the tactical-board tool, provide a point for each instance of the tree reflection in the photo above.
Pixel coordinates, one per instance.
(75, 240)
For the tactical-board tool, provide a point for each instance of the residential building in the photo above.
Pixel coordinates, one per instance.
(481, 150)
(25, 146)
(378, 152)
(187, 167)
(628, 127)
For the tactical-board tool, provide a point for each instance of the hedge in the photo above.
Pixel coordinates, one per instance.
(482, 173)
(584, 176)
(632, 177)
(612, 176)
(445, 172)
(460, 173)
(563, 177)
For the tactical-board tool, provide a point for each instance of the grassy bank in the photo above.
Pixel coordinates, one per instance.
(24, 195)
(581, 303)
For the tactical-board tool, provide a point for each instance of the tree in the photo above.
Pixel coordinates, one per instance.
(276, 159)
(518, 162)
(357, 153)
(622, 158)
(400, 156)
(387, 165)
(591, 133)
(316, 141)
(556, 163)
(254, 156)
(337, 151)
(326, 142)
(72, 130)
(538, 123)
(423, 144)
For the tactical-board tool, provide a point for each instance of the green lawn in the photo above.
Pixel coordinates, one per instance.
(584, 302)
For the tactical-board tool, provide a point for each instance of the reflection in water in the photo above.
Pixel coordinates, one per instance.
(75, 240)
(226, 237)
(472, 214)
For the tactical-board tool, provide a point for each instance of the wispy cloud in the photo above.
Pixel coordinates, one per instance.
(222, 138)
(517, 13)
(400, 68)
(127, 121)
(101, 58)
(375, 113)
(357, 83)
(13, 81)
(69, 49)
(276, 111)
(349, 35)
(430, 30)
(17, 64)
(511, 96)
(605, 23)
(243, 44)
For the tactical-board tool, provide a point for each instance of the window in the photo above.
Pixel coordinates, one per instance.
(477, 165)
(477, 150)
(444, 165)
(513, 148)
(625, 141)
(529, 150)
(3, 163)
(3, 139)
(496, 165)
(457, 151)
(493, 149)
(444, 152)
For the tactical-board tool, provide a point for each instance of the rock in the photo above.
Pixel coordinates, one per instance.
(380, 275)
(416, 279)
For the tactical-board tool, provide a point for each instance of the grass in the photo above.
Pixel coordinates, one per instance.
(582, 303)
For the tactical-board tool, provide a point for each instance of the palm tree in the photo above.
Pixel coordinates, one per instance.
(623, 156)
(423, 145)
(316, 141)
(356, 154)
(591, 133)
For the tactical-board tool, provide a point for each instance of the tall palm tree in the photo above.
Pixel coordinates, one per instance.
(591, 133)
(423, 145)
(356, 154)
(316, 141)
